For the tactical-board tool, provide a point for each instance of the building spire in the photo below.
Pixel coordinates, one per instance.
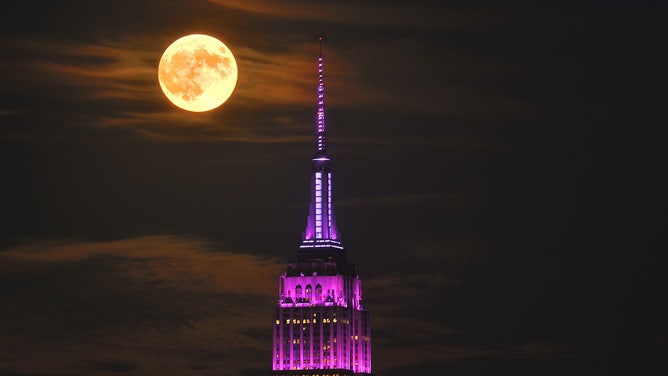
(320, 130)
(321, 229)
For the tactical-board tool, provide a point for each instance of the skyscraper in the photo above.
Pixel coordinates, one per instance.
(321, 328)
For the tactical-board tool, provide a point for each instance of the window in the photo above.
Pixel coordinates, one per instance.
(318, 291)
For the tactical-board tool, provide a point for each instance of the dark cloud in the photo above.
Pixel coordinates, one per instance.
(496, 180)
(113, 367)
(76, 305)
(520, 364)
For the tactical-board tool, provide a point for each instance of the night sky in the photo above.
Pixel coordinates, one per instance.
(497, 181)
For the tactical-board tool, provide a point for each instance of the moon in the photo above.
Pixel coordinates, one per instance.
(197, 72)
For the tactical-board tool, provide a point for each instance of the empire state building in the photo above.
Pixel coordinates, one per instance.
(320, 325)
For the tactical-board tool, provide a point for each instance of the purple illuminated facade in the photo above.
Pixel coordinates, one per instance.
(320, 325)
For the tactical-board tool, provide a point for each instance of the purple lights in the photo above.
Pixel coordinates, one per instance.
(324, 340)
(316, 329)
(330, 218)
(321, 243)
(321, 223)
(320, 325)
(321, 108)
(318, 205)
(317, 290)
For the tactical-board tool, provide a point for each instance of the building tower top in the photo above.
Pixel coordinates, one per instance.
(321, 232)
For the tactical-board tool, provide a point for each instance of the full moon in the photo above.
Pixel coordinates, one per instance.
(197, 72)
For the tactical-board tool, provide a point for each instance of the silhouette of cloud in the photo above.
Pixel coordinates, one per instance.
(131, 305)
(425, 16)
(114, 84)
